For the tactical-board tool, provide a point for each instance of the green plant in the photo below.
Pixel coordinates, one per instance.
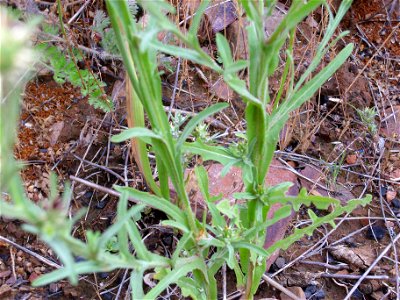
(235, 229)
(236, 233)
(367, 116)
(65, 70)
(101, 23)
(64, 64)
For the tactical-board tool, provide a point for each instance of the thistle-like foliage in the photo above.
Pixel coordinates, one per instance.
(236, 233)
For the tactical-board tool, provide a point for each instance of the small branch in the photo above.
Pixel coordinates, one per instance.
(280, 287)
(30, 252)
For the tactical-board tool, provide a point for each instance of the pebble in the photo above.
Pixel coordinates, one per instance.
(101, 204)
(395, 203)
(312, 292)
(351, 242)
(280, 262)
(88, 194)
(107, 296)
(390, 195)
(54, 288)
(167, 239)
(103, 275)
(383, 190)
(79, 259)
(357, 295)
(376, 232)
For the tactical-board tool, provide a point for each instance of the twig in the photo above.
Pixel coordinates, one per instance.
(98, 187)
(175, 86)
(100, 167)
(280, 287)
(354, 276)
(325, 265)
(73, 18)
(224, 281)
(30, 252)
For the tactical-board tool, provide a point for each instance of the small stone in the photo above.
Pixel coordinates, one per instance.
(383, 190)
(79, 259)
(351, 242)
(376, 232)
(378, 295)
(101, 204)
(5, 290)
(11, 280)
(357, 295)
(280, 262)
(107, 296)
(298, 291)
(351, 159)
(33, 277)
(88, 194)
(54, 288)
(103, 275)
(313, 292)
(167, 239)
(395, 203)
(390, 195)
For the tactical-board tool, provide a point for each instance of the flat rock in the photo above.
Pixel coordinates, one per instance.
(232, 183)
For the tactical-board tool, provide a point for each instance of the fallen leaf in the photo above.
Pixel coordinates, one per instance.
(221, 90)
(55, 131)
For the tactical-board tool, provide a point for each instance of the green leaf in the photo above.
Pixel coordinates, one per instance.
(136, 132)
(57, 275)
(236, 67)
(225, 208)
(183, 267)
(202, 180)
(281, 115)
(174, 224)
(224, 50)
(136, 281)
(207, 152)
(252, 247)
(114, 229)
(320, 202)
(191, 288)
(156, 202)
(192, 124)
